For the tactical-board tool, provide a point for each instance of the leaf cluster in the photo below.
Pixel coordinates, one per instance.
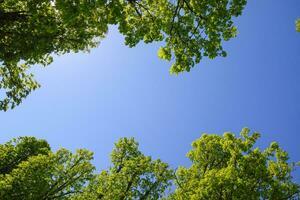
(229, 167)
(224, 167)
(32, 31)
(30, 170)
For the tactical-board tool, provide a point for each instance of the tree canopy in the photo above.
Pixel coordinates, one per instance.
(131, 176)
(222, 167)
(30, 170)
(298, 25)
(229, 167)
(32, 31)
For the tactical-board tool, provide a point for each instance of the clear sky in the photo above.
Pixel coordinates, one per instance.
(91, 100)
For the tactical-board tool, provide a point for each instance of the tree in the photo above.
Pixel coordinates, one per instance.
(30, 170)
(132, 176)
(229, 167)
(31, 31)
(298, 25)
(18, 150)
(223, 167)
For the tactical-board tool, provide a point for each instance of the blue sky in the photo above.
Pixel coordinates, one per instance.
(91, 100)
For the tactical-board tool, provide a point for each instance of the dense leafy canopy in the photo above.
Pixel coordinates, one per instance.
(29, 170)
(223, 167)
(132, 176)
(229, 167)
(31, 31)
(298, 25)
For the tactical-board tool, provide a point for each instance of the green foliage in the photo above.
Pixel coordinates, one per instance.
(18, 150)
(132, 176)
(223, 167)
(229, 167)
(298, 25)
(32, 31)
(29, 170)
(17, 83)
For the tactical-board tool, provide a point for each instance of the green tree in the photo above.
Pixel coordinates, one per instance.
(132, 176)
(223, 167)
(18, 150)
(31, 31)
(30, 171)
(229, 167)
(298, 25)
